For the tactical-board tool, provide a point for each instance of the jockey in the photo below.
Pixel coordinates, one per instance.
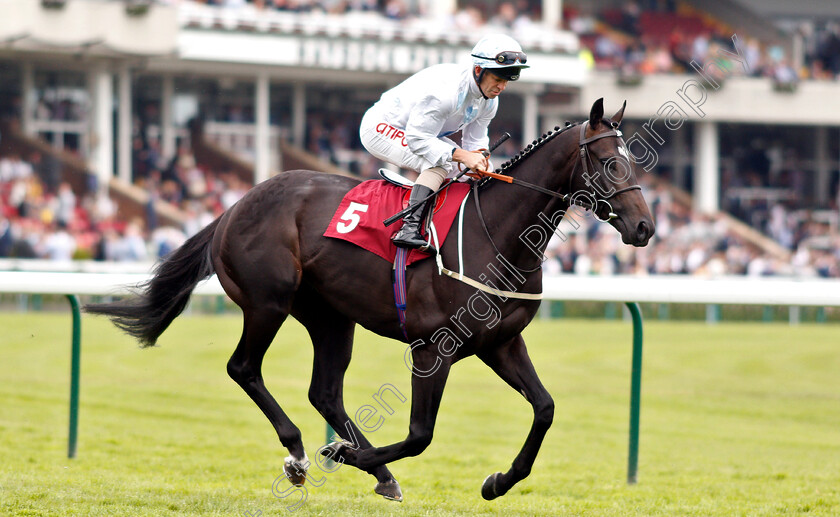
(410, 123)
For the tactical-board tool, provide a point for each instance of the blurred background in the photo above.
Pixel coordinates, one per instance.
(127, 125)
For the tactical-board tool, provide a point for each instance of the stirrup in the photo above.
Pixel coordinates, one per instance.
(416, 239)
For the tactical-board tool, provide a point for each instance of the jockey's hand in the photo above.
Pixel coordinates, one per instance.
(474, 160)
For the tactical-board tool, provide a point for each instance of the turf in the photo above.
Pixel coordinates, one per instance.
(737, 419)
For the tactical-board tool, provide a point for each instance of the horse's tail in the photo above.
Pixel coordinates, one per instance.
(161, 299)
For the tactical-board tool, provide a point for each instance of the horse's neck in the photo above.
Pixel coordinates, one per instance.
(523, 219)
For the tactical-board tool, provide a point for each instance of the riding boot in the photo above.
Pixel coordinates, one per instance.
(409, 235)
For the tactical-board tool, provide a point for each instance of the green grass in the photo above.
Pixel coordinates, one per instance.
(737, 419)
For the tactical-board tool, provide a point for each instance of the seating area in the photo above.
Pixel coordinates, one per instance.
(40, 222)
(45, 216)
(394, 22)
(665, 40)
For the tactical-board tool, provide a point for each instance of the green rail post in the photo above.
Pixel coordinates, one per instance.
(767, 314)
(75, 366)
(635, 394)
(331, 436)
(821, 318)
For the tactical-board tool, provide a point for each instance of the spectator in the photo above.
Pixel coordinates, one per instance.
(65, 212)
(59, 245)
(13, 168)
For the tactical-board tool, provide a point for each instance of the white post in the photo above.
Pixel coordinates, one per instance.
(552, 13)
(793, 315)
(167, 125)
(102, 148)
(28, 98)
(299, 115)
(263, 149)
(530, 116)
(124, 129)
(706, 167)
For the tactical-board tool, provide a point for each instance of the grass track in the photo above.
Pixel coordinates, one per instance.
(737, 419)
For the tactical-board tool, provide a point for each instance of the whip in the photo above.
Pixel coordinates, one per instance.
(401, 213)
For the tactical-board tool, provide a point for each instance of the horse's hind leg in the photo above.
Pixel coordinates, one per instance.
(245, 367)
(333, 344)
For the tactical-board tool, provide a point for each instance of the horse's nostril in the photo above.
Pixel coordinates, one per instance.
(643, 231)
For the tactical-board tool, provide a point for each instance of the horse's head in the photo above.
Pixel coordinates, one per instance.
(604, 180)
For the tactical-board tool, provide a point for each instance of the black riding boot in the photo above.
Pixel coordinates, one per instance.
(409, 235)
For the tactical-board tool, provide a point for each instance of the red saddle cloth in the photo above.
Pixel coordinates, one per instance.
(359, 216)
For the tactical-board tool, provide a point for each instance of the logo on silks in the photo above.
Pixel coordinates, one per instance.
(391, 132)
(470, 114)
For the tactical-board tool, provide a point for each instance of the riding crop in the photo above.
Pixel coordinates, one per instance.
(401, 213)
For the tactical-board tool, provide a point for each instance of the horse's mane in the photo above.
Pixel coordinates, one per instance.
(533, 146)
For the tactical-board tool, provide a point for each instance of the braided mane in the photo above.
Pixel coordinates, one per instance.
(533, 146)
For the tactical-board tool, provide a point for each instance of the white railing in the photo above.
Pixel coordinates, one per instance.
(111, 278)
(687, 289)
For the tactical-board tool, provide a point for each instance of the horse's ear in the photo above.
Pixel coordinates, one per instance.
(619, 114)
(597, 113)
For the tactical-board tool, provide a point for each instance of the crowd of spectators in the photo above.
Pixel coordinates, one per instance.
(395, 9)
(662, 40)
(689, 243)
(40, 216)
(36, 222)
(59, 108)
(634, 37)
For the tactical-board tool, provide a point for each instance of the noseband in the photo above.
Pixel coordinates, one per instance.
(586, 161)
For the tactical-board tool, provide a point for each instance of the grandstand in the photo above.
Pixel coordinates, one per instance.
(159, 114)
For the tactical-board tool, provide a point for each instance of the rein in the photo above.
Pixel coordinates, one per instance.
(585, 161)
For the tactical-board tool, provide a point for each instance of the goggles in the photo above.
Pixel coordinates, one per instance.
(506, 57)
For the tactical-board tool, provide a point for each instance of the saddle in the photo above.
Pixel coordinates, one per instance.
(358, 217)
(395, 178)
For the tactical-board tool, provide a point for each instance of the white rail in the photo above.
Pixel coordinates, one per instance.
(50, 282)
(656, 289)
(684, 289)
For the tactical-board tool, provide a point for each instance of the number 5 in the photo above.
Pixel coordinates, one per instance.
(351, 217)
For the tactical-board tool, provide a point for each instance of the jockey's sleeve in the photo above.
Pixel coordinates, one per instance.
(423, 128)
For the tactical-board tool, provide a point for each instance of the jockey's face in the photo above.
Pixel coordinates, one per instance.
(491, 84)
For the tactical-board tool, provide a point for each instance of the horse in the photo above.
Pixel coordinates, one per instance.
(271, 258)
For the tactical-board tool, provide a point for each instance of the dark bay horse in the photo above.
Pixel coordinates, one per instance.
(271, 258)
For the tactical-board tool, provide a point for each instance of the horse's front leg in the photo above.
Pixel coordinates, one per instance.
(429, 374)
(511, 362)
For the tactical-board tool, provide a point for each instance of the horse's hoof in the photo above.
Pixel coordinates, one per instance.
(295, 471)
(389, 490)
(488, 489)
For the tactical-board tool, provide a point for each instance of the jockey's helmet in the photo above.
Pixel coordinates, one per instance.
(499, 54)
